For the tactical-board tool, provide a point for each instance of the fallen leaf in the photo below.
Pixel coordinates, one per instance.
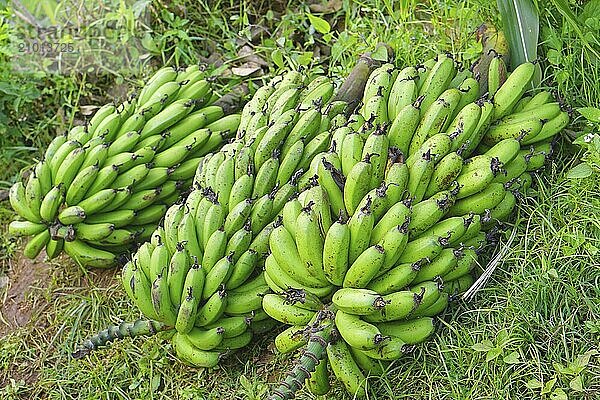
(247, 54)
(88, 110)
(246, 69)
(330, 7)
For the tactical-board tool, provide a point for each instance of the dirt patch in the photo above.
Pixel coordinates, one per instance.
(24, 276)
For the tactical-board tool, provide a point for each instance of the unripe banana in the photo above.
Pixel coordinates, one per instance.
(502, 211)
(357, 184)
(51, 203)
(54, 248)
(487, 111)
(419, 176)
(403, 91)
(286, 254)
(212, 309)
(351, 149)
(435, 119)
(365, 267)
(444, 174)
(80, 184)
(437, 80)
(398, 215)
(318, 382)
(522, 131)
(396, 179)
(242, 269)
(488, 198)
(19, 203)
(464, 126)
(549, 129)
(358, 333)
(358, 301)
(425, 247)
(440, 265)
(217, 276)
(427, 212)
(395, 278)
(88, 256)
(278, 309)
(193, 355)
(345, 368)
(512, 89)
(466, 261)
(496, 74)
(469, 90)
(35, 245)
(25, 228)
(361, 226)
(474, 178)
(505, 150)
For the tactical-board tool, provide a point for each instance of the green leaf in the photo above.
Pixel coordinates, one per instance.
(502, 337)
(563, 7)
(533, 384)
(577, 384)
(149, 44)
(512, 358)
(548, 386)
(553, 273)
(583, 360)
(553, 56)
(580, 171)
(559, 394)
(319, 24)
(493, 354)
(592, 114)
(380, 54)
(305, 58)
(483, 346)
(561, 369)
(520, 20)
(277, 58)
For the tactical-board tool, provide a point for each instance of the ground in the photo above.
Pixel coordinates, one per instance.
(531, 333)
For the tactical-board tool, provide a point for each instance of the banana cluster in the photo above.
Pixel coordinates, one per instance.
(200, 273)
(105, 185)
(392, 219)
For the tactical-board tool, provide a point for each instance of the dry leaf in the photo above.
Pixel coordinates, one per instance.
(247, 54)
(88, 110)
(246, 69)
(330, 7)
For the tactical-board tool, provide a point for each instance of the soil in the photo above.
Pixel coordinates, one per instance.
(24, 277)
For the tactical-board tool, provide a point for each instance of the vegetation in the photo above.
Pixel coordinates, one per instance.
(531, 333)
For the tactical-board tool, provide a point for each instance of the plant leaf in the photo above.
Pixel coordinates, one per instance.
(592, 114)
(580, 171)
(563, 7)
(319, 24)
(521, 25)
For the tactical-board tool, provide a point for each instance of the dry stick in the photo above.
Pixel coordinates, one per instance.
(491, 267)
(141, 327)
(313, 353)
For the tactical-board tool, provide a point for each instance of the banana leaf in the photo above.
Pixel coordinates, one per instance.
(521, 25)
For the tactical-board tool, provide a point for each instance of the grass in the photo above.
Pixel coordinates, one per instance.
(532, 333)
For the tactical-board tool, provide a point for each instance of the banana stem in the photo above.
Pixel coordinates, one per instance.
(140, 327)
(313, 353)
(353, 86)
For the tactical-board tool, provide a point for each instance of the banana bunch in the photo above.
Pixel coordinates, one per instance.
(381, 265)
(392, 219)
(105, 185)
(199, 275)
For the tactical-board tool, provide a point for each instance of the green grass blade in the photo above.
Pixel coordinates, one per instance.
(574, 23)
(521, 24)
